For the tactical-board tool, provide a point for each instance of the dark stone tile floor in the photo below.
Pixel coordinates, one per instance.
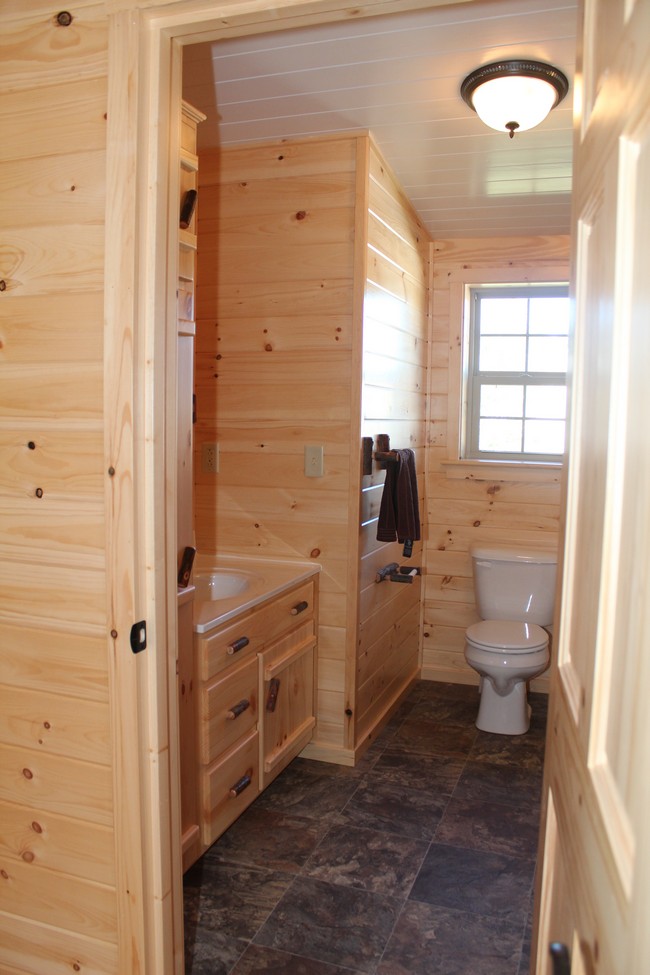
(420, 861)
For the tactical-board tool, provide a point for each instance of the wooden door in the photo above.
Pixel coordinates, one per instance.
(595, 886)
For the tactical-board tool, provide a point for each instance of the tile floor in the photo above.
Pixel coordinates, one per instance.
(420, 860)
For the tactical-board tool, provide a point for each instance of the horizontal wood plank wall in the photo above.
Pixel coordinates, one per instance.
(465, 507)
(395, 349)
(274, 371)
(57, 848)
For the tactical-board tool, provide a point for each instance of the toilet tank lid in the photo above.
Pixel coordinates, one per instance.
(494, 552)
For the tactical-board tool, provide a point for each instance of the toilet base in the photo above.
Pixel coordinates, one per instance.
(499, 715)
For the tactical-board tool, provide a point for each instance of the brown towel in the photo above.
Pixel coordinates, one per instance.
(399, 516)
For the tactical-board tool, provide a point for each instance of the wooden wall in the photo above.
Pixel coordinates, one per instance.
(57, 847)
(275, 371)
(395, 348)
(469, 503)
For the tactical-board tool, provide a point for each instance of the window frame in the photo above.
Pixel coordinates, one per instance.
(450, 435)
(474, 379)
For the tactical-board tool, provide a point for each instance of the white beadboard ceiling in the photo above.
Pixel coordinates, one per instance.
(399, 76)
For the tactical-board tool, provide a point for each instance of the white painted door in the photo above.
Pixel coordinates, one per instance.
(595, 887)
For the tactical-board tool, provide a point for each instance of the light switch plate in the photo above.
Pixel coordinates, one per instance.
(313, 461)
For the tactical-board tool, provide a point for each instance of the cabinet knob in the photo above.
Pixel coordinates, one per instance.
(237, 709)
(238, 645)
(241, 784)
(560, 957)
(299, 607)
(272, 697)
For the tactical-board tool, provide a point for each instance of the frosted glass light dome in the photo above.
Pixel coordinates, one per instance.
(512, 96)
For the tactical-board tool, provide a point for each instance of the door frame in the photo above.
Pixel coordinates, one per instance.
(143, 124)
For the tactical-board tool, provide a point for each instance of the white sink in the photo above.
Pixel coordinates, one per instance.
(221, 584)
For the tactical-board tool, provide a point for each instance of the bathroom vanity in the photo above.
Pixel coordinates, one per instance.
(254, 659)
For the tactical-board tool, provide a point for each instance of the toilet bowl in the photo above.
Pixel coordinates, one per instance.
(515, 593)
(506, 654)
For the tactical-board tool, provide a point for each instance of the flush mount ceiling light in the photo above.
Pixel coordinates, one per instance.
(514, 95)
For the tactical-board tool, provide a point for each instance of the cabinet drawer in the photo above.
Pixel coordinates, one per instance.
(255, 630)
(229, 786)
(229, 709)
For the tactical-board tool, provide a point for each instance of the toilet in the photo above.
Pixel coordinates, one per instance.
(515, 593)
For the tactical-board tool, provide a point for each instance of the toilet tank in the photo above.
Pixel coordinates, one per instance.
(513, 584)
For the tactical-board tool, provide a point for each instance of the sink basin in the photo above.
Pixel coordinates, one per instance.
(221, 584)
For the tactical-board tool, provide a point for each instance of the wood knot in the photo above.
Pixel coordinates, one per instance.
(28, 856)
(37, 827)
(64, 19)
(315, 552)
(28, 773)
(301, 214)
(476, 524)
(268, 347)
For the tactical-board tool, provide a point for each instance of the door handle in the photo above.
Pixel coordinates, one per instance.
(560, 958)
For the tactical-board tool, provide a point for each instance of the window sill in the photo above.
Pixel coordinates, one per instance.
(498, 470)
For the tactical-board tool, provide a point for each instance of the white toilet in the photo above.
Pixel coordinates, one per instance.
(514, 593)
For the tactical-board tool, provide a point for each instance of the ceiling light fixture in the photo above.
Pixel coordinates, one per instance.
(514, 95)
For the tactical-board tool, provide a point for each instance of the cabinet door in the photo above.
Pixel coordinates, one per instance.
(286, 699)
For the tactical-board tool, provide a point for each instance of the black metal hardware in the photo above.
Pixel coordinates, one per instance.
(139, 636)
(238, 645)
(561, 959)
(299, 607)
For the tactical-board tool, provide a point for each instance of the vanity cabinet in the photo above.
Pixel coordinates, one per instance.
(256, 704)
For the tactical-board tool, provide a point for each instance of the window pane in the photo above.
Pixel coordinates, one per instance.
(504, 316)
(502, 401)
(549, 316)
(502, 436)
(546, 402)
(502, 355)
(548, 354)
(544, 436)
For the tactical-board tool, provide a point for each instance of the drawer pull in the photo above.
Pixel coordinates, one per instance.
(299, 607)
(239, 644)
(241, 784)
(237, 709)
(272, 696)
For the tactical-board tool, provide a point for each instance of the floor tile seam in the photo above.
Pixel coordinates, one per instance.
(248, 865)
(389, 777)
(482, 915)
(481, 849)
(234, 966)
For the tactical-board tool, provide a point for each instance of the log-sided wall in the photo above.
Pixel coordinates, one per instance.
(57, 847)
(287, 233)
(395, 349)
(275, 371)
(469, 503)
(58, 858)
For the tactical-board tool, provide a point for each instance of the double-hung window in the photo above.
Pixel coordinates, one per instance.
(516, 373)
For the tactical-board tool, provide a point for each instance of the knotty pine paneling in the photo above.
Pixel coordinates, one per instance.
(58, 902)
(394, 402)
(275, 371)
(491, 505)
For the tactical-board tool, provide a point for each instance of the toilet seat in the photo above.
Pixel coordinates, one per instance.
(507, 636)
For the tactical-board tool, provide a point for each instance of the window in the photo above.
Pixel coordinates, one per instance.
(516, 373)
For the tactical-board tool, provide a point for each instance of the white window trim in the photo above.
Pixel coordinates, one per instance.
(455, 465)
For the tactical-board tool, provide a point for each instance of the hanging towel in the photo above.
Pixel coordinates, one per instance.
(399, 516)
